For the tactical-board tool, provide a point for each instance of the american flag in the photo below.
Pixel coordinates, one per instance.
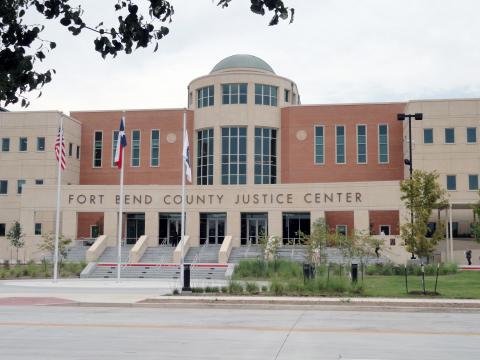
(60, 141)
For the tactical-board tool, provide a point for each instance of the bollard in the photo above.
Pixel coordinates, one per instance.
(306, 272)
(186, 278)
(354, 273)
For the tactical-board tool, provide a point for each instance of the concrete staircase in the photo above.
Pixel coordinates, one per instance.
(292, 252)
(245, 252)
(299, 253)
(160, 271)
(203, 254)
(76, 253)
(158, 254)
(110, 254)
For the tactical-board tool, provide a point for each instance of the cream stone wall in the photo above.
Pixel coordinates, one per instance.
(460, 159)
(32, 164)
(249, 115)
(233, 200)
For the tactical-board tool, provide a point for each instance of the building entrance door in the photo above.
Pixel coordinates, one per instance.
(212, 228)
(253, 226)
(135, 227)
(170, 228)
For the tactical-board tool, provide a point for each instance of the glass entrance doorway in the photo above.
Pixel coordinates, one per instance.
(135, 227)
(253, 226)
(212, 228)
(170, 228)
(293, 225)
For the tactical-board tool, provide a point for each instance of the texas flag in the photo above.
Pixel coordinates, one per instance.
(121, 144)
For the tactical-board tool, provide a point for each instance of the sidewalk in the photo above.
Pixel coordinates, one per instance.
(158, 292)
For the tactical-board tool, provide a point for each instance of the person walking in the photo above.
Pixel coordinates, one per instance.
(468, 255)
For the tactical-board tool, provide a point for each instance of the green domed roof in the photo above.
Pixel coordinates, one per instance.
(242, 61)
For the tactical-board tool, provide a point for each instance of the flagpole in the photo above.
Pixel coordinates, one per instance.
(57, 217)
(120, 208)
(183, 199)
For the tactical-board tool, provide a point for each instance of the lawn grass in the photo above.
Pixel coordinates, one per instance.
(40, 271)
(463, 285)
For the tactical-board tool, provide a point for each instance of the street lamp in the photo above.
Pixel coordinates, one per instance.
(409, 161)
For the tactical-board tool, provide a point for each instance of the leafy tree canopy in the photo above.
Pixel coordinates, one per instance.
(22, 47)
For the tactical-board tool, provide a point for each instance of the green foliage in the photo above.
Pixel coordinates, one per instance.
(421, 195)
(23, 47)
(198, 290)
(48, 245)
(317, 242)
(15, 236)
(235, 288)
(224, 289)
(260, 269)
(252, 288)
(175, 292)
(42, 270)
(212, 289)
(269, 246)
(476, 220)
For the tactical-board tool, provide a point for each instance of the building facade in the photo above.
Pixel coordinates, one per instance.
(262, 164)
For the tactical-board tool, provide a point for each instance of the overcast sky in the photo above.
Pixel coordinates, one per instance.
(337, 51)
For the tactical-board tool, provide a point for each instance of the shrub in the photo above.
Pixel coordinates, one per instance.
(175, 292)
(261, 269)
(224, 289)
(277, 288)
(197, 290)
(264, 288)
(412, 269)
(235, 288)
(252, 288)
(212, 289)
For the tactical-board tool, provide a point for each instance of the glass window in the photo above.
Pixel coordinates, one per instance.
(234, 94)
(2, 229)
(266, 94)
(23, 144)
(205, 96)
(135, 148)
(385, 229)
(40, 144)
(70, 149)
(97, 149)
(205, 157)
(39, 182)
(155, 148)
(114, 146)
(295, 224)
(5, 144)
(78, 152)
(287, 96)
(319, 145)
(3, 187)
(472, 182)
(450, 136)
(340, 144)
(383, 144)
(341, 229)
(428, 136)
(471, 135)
(265, 156)
(451, 182)
(362, 144)
(234, 155)
(20, 184)
(38, 229)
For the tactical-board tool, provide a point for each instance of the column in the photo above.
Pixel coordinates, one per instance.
(152, 227)
(233, 227)
(110, 227)
(315, 215)
(192, 228)
(69, 224)
(275, 225)
(361, 220)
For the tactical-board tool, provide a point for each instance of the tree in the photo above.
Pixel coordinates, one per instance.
(476, 221)
(22, 46)
(421, 195)
(48, 245)
(317, 242)
(15, 236)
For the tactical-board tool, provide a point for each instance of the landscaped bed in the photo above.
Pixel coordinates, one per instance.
(39, 271)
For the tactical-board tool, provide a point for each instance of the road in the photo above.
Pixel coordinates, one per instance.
(72, 332)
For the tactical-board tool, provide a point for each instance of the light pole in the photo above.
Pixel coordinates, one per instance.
(409, 161)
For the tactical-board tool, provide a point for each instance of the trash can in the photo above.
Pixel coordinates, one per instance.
(354, 273)
(308, 271)
(186, 277)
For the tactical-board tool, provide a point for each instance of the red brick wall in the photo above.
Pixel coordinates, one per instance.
(85, 220)
(167, 121)
(334, 218)
(298, 162)
(384, 217)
